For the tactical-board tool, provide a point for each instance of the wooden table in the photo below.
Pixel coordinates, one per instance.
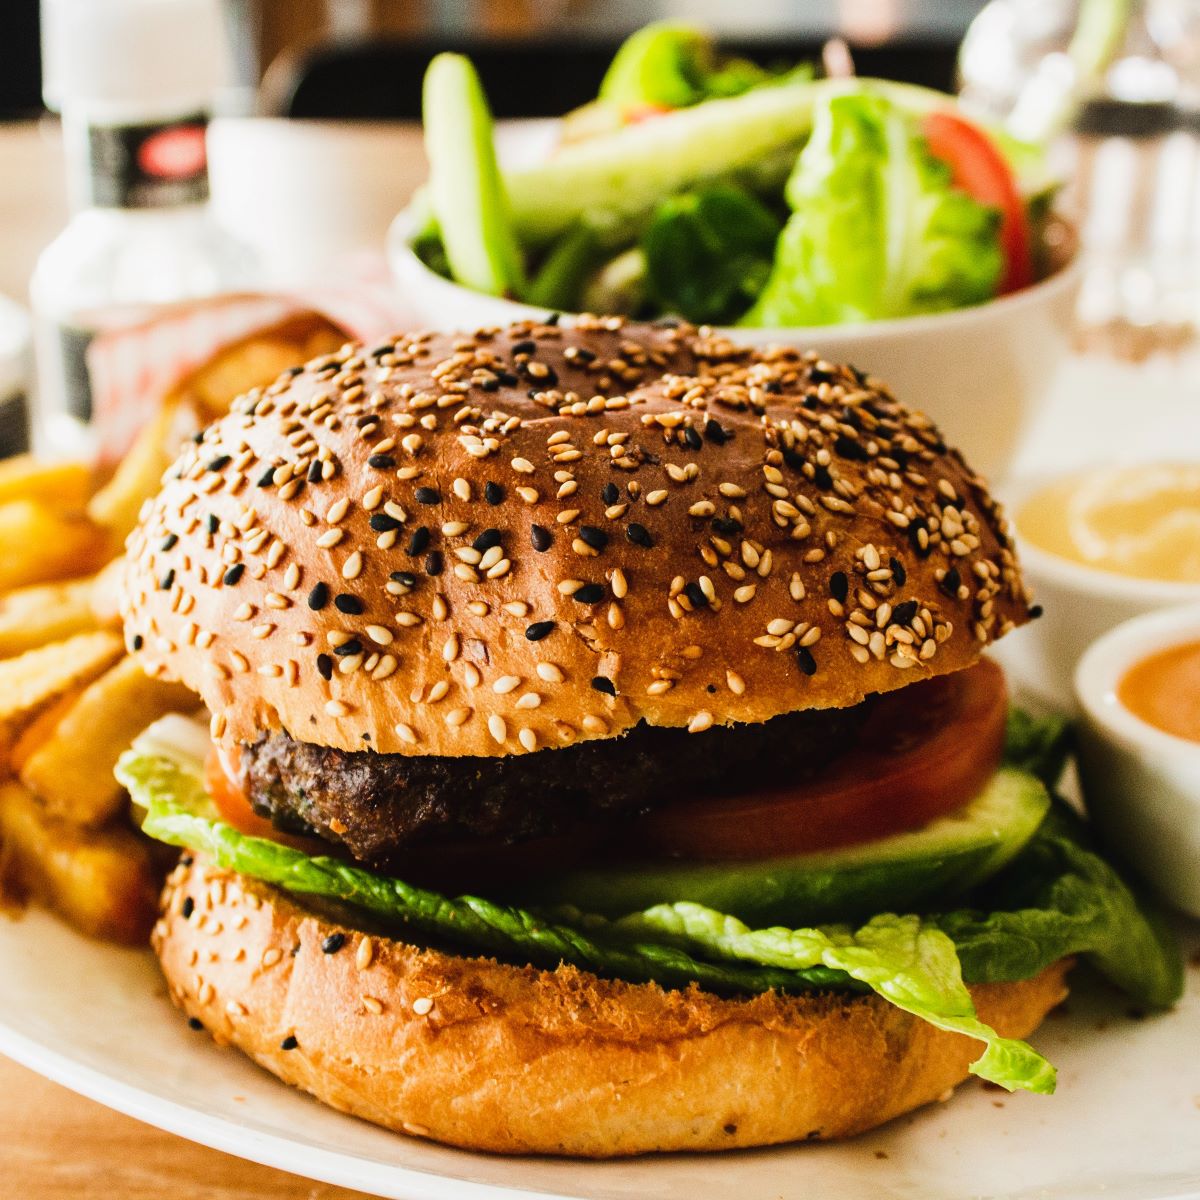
(55, 1145)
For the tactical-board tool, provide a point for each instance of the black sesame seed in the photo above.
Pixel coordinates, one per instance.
(590, 593)
(716, 432)
(839, 586)
(849, 447)
(267, 478)
(727, 525)
(168, 543)
(794, 458)
(524, 347)
(198, 436)
(381, 462)
(486, 540)
(805, 660)
(382, 523)
(289, 1042)
(418, 540)
(353, 646)
(596, 538)
(507, 378)
(822, 478)
(318, 597)
(772, 387)
(549, 377)
(211, 523)
(638, 534)
(489, 384)
(951, 582)
(365, 420)
(602, 684)
(903, 614)
(816, 375)
(538, 630)
(696, 595)
(188, 907)
(405, 577)
(493, 493)
(551, 318)
(196, 1024)
(219, 463)
(691, 438)
(610, 493)
(138, 642)
(233, 574)
(811, 400)
(540, 537)
(427, 495)
(585, 356)
(1035, 611)
(314, 470)
(169, 578)
(435, 563)
(325, 666)
(352, 606)
(899, 574)
(333, 943)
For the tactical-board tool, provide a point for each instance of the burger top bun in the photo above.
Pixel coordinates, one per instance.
(499, 542)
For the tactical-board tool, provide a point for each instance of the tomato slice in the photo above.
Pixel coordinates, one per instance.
(235, 808)
(925, 750)
(979, 168)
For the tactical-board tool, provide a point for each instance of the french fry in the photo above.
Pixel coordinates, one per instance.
(72, 770)
(38, 544)
(106, 595)
(256, 360)
(104, 883)
(33, 681)
(137, 477)
(64, 486)
(47, 612)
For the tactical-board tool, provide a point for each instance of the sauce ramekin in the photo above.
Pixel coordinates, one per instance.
(1142, 785)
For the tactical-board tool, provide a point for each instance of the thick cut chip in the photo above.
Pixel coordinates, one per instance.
(38, 544)
(48, 612)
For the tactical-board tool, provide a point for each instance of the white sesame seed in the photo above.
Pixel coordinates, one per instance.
(523, 465)
(352, 567)
(422, 1005)
(529, 700)
(451, 648)
(736, 684)
(379, 635)
(457, 716)
(700, 722)
(549, 672)
(330, 538)
(335, 708)
(497, 728)
(405, 734)
(506, 683)
(337, 510)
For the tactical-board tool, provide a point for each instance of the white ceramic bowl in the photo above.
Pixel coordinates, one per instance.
(1142, 785)
(978, 372)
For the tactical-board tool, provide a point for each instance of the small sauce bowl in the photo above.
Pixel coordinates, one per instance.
(1142, 784)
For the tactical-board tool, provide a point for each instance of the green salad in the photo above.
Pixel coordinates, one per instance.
(1038, 892)
(714, 189)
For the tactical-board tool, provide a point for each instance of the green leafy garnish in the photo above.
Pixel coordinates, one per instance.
(709, 252)
(877, 228)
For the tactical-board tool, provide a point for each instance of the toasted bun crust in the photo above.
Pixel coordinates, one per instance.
(516, 1061)
(495, 543)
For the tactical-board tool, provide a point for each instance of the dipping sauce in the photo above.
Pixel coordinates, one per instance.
(1142, 521)
(1164, 690)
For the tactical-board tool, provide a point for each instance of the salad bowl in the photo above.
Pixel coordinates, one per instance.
(978, 372)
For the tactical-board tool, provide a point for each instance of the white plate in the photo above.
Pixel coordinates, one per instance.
(1125, 1122)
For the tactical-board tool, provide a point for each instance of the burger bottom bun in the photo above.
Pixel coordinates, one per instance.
(515, 1060)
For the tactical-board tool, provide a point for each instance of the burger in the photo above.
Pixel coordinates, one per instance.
(602, 757)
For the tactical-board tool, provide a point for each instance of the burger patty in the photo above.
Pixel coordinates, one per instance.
(379, 806)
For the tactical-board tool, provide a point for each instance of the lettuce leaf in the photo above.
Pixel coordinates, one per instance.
(907, 961)
(877, 229)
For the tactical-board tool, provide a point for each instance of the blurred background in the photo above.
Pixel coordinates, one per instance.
(305, 58)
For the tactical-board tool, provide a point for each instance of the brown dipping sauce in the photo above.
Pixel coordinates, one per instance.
(1164, 690)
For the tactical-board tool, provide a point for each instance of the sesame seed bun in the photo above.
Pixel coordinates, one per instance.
(515, 1060)
(501, 542)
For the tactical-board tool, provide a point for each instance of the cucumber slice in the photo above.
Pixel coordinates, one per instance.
(893, 874)
(466, 191)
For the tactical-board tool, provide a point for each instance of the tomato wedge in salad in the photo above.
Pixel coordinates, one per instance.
(925, 750)
(978, 167)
